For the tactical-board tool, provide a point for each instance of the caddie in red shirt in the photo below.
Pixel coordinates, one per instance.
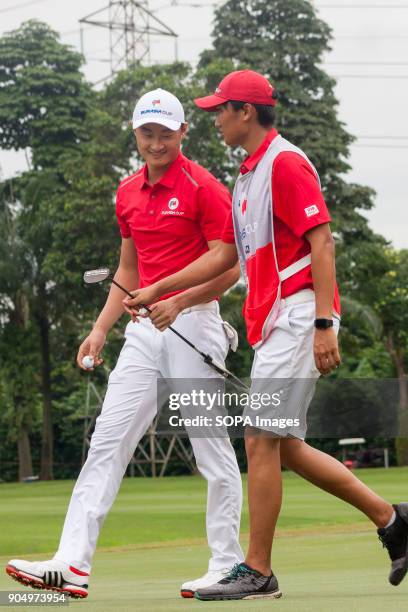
(170, 212)
(279, 229)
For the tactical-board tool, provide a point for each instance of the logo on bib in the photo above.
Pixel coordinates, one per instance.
(243, 203)
(311, 210)
(173, 203)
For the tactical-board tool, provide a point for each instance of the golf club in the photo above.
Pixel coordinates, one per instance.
(102, 274)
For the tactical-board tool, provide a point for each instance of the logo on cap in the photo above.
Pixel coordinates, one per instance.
(218, 90)
(173, 203)
(155, 102)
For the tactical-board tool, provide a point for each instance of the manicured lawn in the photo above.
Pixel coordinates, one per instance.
(326, 554)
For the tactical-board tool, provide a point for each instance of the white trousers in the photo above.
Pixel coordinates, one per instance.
(129, 407)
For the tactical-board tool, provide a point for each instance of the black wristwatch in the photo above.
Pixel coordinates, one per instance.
(323, 323)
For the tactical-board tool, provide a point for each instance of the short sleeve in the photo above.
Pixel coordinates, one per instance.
(123, 225)
(297, 197)
(214, 206)
(228, 235)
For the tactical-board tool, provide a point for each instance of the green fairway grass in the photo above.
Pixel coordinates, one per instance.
(326, 554)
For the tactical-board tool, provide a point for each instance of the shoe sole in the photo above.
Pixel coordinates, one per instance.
(36, 583)
(187, 594)
(242, 596)
(399, 574)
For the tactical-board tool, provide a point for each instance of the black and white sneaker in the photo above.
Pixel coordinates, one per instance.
(242, 582)
(395, 539)
(53, 575)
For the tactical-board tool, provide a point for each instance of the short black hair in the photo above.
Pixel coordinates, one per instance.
(265, 113)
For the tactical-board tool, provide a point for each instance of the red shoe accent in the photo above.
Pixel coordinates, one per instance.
(36, 584)
(75, 594)
(23, 578)
(187, 594)
(77, 571)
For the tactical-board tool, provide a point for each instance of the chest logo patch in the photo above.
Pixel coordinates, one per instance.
(243, 203)
(173, 203)
(311, 211)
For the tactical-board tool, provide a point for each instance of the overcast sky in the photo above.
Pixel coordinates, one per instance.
(369, 57)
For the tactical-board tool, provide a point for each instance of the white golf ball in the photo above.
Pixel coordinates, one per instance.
(88, 362)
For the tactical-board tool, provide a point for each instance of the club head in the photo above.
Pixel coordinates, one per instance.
(96, 276)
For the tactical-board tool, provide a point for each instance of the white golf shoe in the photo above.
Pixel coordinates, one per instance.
(54, 575)
(211, 577)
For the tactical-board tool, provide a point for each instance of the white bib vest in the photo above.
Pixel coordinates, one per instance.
(252, 211)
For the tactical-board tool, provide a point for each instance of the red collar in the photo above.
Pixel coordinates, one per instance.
(169, 177)
(251, 161)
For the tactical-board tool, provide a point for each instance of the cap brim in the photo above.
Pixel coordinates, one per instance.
(210, 103)
(168, 123)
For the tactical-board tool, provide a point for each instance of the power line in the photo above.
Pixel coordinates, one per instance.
(354, 63)
(77, 31)
(8, 9)
(381, 146)
(369, 76)
(383, 137)
(176, 4)
(363, 6)
(372, 37)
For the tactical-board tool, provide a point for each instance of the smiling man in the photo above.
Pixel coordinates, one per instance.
(170, 212)
(279, 229)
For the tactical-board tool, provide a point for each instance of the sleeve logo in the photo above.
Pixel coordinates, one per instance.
(311, 211)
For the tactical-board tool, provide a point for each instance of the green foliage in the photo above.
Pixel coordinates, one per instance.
(43, 97)
(58, 218)
(44, 103)
(391, 302)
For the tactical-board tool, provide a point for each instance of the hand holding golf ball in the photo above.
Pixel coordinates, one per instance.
(88, 362)
(88, 356)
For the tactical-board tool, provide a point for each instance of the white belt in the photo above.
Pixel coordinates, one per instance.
(306, 295)
(213, 306)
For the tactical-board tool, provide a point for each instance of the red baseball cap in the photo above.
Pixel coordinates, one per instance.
(243, 86)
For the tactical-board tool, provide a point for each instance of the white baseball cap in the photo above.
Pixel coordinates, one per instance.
(159, 106)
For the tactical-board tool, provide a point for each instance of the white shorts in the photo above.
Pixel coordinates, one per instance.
(284, 369)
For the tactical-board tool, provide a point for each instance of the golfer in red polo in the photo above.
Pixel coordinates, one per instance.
(279, 229)
(170, 212)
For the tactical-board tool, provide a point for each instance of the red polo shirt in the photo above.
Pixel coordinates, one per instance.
(298, 206)
(171, 221)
